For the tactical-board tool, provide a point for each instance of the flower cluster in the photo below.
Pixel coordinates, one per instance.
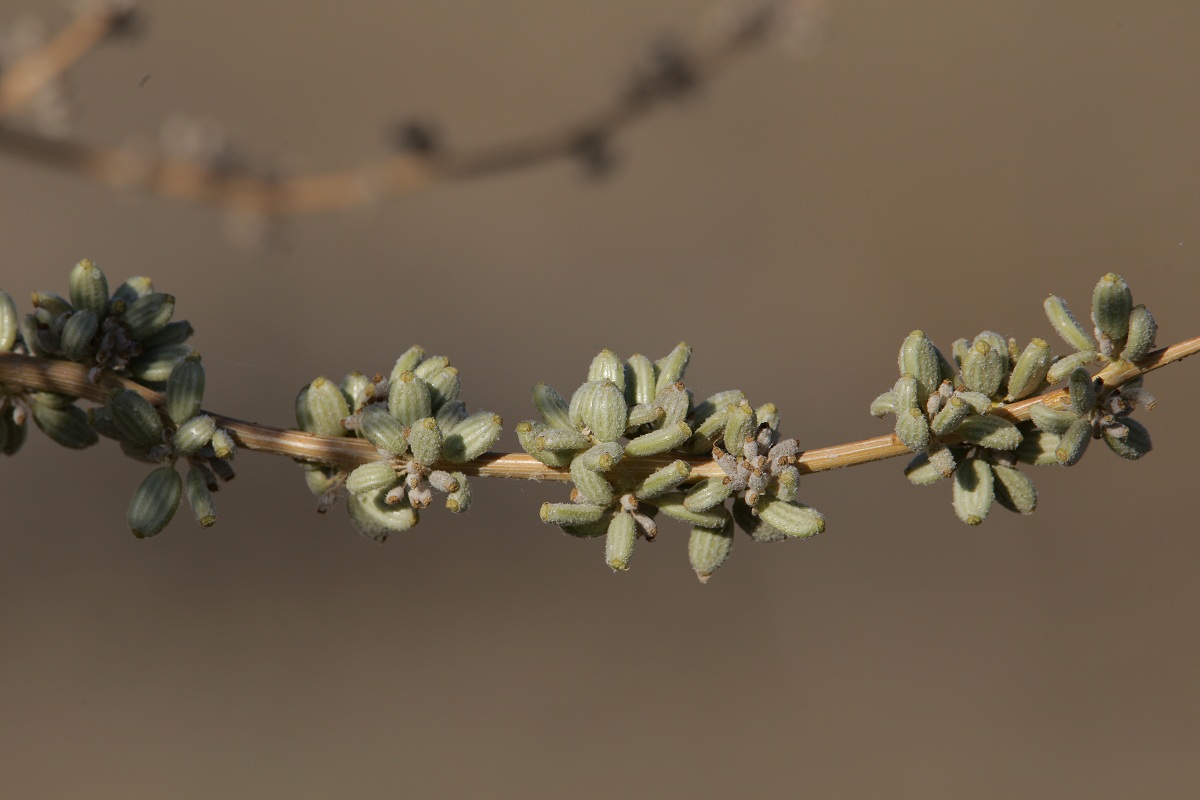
(416, 421)
(621, 486)
(955, 417)
(128, 333)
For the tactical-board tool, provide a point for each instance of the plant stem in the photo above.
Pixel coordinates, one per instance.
(65, 377)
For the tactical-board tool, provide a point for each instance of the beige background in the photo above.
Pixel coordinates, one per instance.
(941, 165)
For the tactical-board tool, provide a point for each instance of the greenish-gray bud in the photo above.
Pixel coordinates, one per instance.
(185, 389)
(89, 288)
(973, 492)
(321, 407)
(154, 502)
(1111, 303)
(708, 549)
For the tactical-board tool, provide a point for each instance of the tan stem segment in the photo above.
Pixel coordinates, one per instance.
(18, 372)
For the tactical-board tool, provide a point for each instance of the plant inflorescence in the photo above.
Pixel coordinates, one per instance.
(632, 440)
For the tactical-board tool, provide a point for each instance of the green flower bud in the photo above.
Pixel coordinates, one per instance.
(154, 502)
(132, 289)
(707, 494)
(709, 416)
(1038, 448)
(54, 305)
(1065, 325)
(1142, 330)
(10, 322)
(608, 367)
(459, 500)
(148, 314)
(605, 412)
(739, 427)
(1083, 394)
(408, 361)
(190, 436)
(376, 519)
(67, 426)
(995, 433)
(383, 430)
(1073, 442)
(904, 394)
(984, 368)
(973, 492)
(1111, 304)
(552, 406)
(671, 366)
(948, 419)
(708, 549)
(675, 403)
(222, 444)
(528, 434)
(321, 407)
(643, 415)
(884, 404)
(1051, 420)
(919, 358)
(444, 387)
(591, 484)
(920, 472)
(185, 389)
(979, 403)
(1000, 345)
(450, 415)
(137, 420)
(409, 398)
(472, 437)
(1065, 366)
(154, 366)
(1134, 445)
(176, 332)
(662, 480)
(200, 498)
(427, 368)
(754, 525)
(561, 439)
(673, 506)
(793, 519)
(640, 380)
(618, 544)
(77, 334)
(1013, 489)
(659, 441)
(1030, 370)
(425, 441)
(573, 514)
(371, 477)
(89, 288)
(912, 430)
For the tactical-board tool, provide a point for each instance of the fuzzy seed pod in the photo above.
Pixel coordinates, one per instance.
(52, 304)
(618, 544)
(640, 380)
(706, 416)
(408, 361)
(659, 441)
(605, 413)
(444, 387)
(673, 506)
(89, 288)
(425, 441)
(1066, 326)
(671, 366)
(148, 314)
(606, 366)
(793, 519)
(920, 472)
(948, 419)
(754, 525)
(1051, 420)
(1030, 369)
(590, 530)
(590, 483)
(1073, 442)
(1038, 448)
(643, 415)
(995, 433)
(1000, 345)
(675, 402)
(459, 499)
(1134, 445)
(1142, 330)
(154, 366)
(787, 483)
(426, 369)
(983, 368)
(561, 439)
(154, 502)
(572, 514)
(707, 493)
(185, 389)
(1065, 366)
(321, 407)
(662, 480)
(973, 492)
(768, 414)
(383, 430)
(1083, 393)
(884, 404)
(919, 358)
(905, 393)
(1111, 304)
(943, 459)
(739, 427)
(371, 477)
(912, 430)
(1014, 490)
(376, 519)
(176, 332)
(77, 333)
(10, 322)
(191, 435)
(137, 420)
(708, 549)
(131, 290)
(409, 398)
(552, 406)
(450, 415)
(66, 426)
(602, 457)
(200, 498)
(223, 445)
(472, 437)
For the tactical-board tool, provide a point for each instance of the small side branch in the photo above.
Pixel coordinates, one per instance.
(65, 377)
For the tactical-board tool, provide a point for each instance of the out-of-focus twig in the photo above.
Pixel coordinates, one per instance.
(671, 71)
(20, 82)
